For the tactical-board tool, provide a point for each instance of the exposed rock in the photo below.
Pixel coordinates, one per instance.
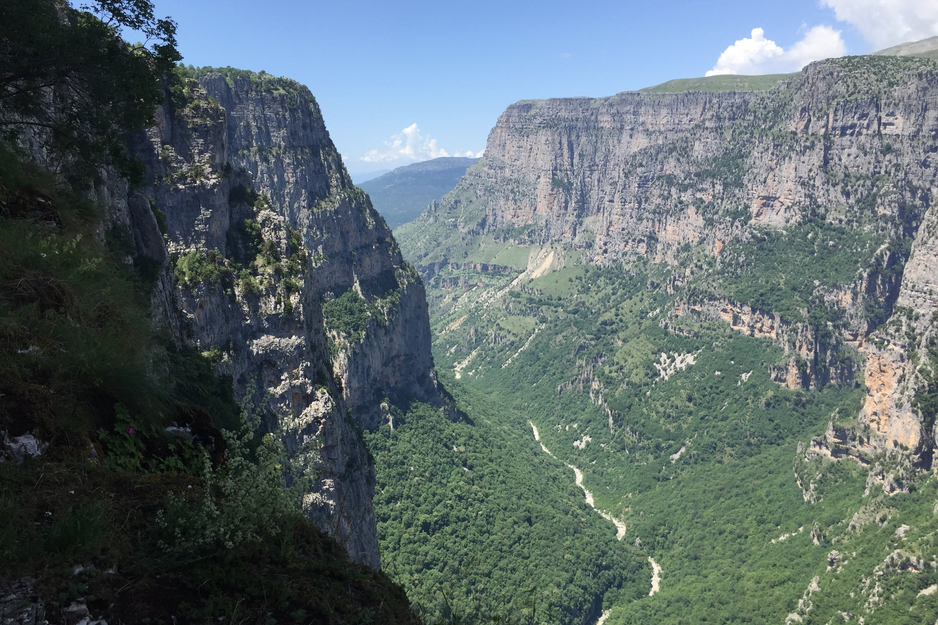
(18, 448)
(20, 605)
(262, 226)
(642, 174)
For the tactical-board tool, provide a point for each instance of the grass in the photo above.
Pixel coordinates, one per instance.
(725, 82)
(61, 514)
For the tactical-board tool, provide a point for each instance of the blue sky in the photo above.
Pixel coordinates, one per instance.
(406, 81)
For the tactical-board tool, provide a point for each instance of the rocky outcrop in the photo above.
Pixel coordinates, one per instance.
(262, 229)
(809, 361)
(898, 356)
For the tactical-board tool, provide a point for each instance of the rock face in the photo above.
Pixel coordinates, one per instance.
(677, 178)
(809, 363)
(643, 174)
(263, 229)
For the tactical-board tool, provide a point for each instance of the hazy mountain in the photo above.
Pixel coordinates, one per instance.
(404, 193)
(926, 49)
(359, 178)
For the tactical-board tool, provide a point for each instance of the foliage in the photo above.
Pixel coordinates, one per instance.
(261, 81)
(479, 526)
(200, 266)
(237, 502)
(74, 330)
(347, 314)
(134, 570)
(780, 271)
(102, 86)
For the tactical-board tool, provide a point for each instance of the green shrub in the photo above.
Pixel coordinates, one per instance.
(347, 314)
(201, 267)
(237, 502)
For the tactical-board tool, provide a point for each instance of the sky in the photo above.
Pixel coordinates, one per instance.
(406, 81)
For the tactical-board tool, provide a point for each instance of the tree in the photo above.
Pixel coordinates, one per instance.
(67, 75)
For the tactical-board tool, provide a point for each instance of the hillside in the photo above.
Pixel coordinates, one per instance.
(718, 307)
(727, 82)
(194, 301)
(926, 49)
(402, 194)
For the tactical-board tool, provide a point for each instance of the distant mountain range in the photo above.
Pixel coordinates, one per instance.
(402, 194)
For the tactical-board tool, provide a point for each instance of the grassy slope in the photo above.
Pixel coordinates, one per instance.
(725, 82)
(926, 49)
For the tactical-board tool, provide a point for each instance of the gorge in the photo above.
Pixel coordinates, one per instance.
(696, 292)
(228, 393)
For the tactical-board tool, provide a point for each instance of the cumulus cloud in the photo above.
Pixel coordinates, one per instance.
(758, 55)
(470, 154)
(821, 42)
(885, 23)
(407, 145)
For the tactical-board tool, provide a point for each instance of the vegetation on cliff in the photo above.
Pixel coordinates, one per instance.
(130, 488)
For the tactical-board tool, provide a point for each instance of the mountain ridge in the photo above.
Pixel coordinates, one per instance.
(402, 194)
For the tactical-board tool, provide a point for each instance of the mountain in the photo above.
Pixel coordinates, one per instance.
(925, 48)
(402, 194)
(284, 269)
(200, 313)
(717, 306)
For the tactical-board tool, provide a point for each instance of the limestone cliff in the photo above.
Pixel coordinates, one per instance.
(710, 183)
(263, 231)
(643, 174)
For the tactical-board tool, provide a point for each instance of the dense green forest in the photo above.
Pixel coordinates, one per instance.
(478, 525)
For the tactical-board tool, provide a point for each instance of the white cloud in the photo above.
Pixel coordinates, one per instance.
(758, 55)
(885, 23)
(470, 154)
(407, 145)
(821, 42)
